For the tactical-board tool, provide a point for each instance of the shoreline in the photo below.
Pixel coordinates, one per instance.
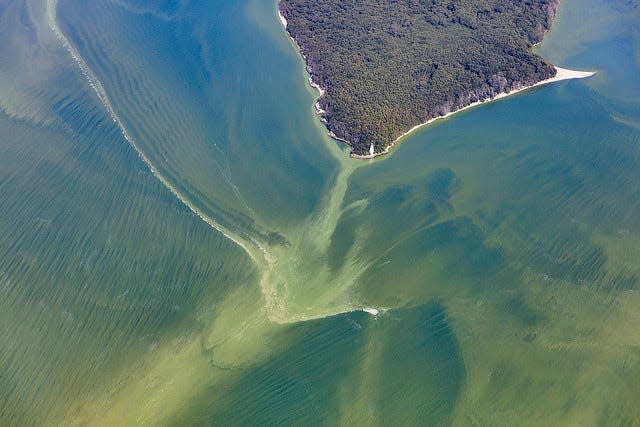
(312, 83)
(561, 75)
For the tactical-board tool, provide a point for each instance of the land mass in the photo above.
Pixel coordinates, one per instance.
(386, 67)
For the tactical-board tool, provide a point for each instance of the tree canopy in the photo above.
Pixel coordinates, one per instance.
(388, 65)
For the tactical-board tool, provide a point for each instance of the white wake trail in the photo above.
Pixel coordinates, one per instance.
(244, 243)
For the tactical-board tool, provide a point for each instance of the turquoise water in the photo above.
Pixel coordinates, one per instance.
(209, 267)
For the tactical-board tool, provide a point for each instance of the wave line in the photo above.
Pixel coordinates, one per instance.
(95, 83)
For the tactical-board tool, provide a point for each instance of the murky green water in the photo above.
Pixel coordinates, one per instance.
(182, 244)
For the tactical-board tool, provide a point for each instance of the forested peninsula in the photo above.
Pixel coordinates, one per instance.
(385, 66)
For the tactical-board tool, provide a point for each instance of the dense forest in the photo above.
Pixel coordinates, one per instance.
(388, 65)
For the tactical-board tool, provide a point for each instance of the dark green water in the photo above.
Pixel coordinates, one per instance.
(209, 268)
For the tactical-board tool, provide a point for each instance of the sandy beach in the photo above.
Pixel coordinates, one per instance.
(561, 74)
(283, 20)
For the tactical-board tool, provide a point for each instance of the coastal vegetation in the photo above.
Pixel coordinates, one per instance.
(385, 66)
